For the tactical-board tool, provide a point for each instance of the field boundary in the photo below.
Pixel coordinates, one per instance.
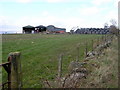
(97, 46)
(13, 69)
(76, 68)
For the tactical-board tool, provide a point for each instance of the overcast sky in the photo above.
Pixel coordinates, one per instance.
(14, 14)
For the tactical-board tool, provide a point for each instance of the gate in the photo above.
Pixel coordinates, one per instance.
(13, 69)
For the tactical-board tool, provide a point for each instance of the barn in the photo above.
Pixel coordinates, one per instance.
(53, 29)
(28, 29)
(39, 29)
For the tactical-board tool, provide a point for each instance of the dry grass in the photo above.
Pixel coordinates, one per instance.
(104, 70)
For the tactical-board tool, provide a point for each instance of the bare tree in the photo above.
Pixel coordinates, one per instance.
(113, 27)
(106, 25)
(113, 22)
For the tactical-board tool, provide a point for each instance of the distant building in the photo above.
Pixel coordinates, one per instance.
(53, 29)
(39, 29)
(71, 31)
(92, 31)
(28, 29)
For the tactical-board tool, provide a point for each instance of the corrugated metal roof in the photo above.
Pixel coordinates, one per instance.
(28, 26)
(40, 26)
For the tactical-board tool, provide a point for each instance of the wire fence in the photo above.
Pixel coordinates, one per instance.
(82, 51)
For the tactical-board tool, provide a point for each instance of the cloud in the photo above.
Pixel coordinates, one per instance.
(112, 15)
(68, 22)
(48, 1)
(3, 20)
(45, 13)
(24, 1)
(89, 11)
(63, 1)
(19, 1)
(100, 2)
(53, 1)
(56, 1)
(83, 16)
(95, 2)
(48, 19)
(7, 26)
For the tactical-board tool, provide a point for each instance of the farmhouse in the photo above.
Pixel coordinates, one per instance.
(28, 29)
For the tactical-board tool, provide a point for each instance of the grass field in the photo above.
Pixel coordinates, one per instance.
(40, 54)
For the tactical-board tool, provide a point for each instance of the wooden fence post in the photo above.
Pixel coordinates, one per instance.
(98, 41)
(105, 38)
(9, 72)
(86, 50)
(78, 53)
(60, 66)
(92, 45)
(102, 39)
(15, 77)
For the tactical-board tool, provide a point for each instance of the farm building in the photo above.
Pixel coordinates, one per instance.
(71, 31)
(53, 29)
(40, 28)
(28, 29)
(92, 31)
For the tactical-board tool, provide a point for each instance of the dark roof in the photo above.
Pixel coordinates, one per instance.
(50, 26)
(40, 26)
(28, 26)
(60, 29)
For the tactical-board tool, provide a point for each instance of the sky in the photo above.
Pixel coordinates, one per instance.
(14, 14)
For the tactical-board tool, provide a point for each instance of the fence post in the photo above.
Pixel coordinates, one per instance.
(98, 41)
(15, 76)
(102, 39)
(105, 38)
(78, 53)
(60, 66)
(9, 73)
(86, 50)
(92, 45)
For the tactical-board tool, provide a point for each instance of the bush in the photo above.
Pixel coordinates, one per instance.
(114, 30)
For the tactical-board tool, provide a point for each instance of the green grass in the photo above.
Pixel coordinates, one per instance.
(40, 54)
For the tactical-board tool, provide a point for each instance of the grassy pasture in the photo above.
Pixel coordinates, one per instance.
(40, 54)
